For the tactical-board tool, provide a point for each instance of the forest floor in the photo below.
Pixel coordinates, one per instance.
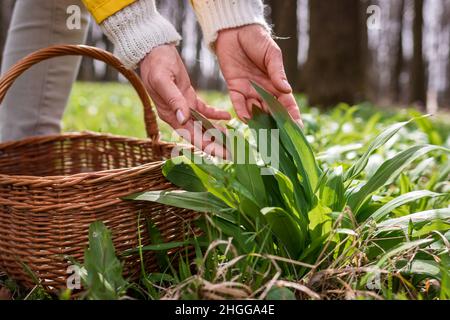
(337, 138)
(115, 108)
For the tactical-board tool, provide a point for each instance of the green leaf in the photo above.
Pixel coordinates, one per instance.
(445, 277)
(182, 175)
(262, 120)
(285, 229)
(157, 239)
(216, 181)
(415, 218)
(427, 127)
(286, 189)
(247, 172)
(387, 171)
(405, 184)
(160, 247)
(236, 232)
(320, 221)
(401, 200)
(295, 143)
(401, 248)
(208, 125)
(332, 192)
(196, 201)
(425, 267)
(280, 293)
(288, 194)
(431, 227)
(104, 271)
(379, 141)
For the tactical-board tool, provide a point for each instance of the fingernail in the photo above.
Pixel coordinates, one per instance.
(288, 85)
(180, 117)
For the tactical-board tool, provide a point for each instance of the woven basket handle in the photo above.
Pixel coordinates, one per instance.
(8, 79)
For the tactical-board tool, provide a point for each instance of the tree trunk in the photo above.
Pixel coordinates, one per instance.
(334, 68)
(398, 56)
(87, 69)
(446, 103)
(284, 18)
(418, 79)
(364, 52)
(196, 73)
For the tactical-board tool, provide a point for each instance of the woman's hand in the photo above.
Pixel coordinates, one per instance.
(249, 54)
(168, 83)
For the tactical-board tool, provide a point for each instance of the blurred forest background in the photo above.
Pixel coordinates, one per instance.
(383, 51)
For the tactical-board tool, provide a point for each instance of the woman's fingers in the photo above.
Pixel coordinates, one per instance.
(211, 112)
(240, 105)
(275, 69)
(172, 97)
(288, 101)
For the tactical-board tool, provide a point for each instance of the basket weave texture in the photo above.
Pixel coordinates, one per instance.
(53, 187)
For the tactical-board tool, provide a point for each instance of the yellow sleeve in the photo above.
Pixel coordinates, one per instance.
(102, 9)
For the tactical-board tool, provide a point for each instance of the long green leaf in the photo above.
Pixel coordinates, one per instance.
(160, 247)
(387, 171)
(208, 125)
(264, 121)
(320, 222)
(247, 172)
(379, 141)
(182, 175)
(425, 267)
(197, 201)
(295, 143)
(419, 217)
(401, 248)
(285, 229)
(332, 192)
(401, 200)
(104, 271)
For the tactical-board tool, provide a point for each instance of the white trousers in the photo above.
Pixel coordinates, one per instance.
(35, 103)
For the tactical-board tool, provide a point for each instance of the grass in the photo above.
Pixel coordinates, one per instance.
(340, 244)
(115, 108)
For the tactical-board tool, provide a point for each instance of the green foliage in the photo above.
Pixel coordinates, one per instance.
(103, 270)
(321, 213)
(361, 193)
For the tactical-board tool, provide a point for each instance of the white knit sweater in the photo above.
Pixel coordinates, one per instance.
(138, 28)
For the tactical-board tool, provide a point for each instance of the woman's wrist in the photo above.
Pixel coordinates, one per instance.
(136, 30)
(218, 15)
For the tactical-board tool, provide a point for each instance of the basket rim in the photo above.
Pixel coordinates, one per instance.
(87, 177)
(76, 134)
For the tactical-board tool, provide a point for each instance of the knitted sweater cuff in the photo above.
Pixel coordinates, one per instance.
(216, 15)
(136, 30)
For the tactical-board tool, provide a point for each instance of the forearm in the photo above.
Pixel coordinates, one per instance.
(136, 29)
(217, 15)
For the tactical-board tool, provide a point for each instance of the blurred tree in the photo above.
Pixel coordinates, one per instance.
(398, 53)
(418, 78)
(111, 74)
(87, 69)
(196, 71)
(366, 55)
(446, 95)
(284, 19)
(335, 71)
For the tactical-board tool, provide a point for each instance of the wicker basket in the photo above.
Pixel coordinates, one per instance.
(53, 187)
